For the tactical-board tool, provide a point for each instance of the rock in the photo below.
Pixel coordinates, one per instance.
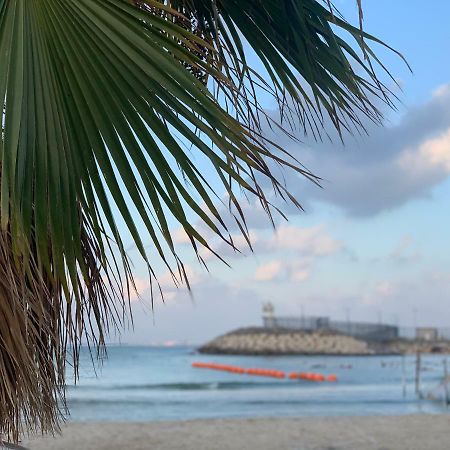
(267, 341)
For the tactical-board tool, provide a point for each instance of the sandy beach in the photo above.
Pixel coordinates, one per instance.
(414, 432)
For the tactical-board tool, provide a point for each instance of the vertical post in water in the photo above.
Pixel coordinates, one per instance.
(403, 376)
(418, 363)
(446, 380)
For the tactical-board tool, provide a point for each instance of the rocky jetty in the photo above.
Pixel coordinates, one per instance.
(266, 341)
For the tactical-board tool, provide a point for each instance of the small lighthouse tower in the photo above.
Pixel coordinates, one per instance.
(268, 316)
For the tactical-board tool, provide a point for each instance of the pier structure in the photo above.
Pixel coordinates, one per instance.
(369, 331)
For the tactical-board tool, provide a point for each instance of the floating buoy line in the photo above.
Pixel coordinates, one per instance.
(273, 373)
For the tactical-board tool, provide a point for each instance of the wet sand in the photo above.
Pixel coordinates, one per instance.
(414, 432)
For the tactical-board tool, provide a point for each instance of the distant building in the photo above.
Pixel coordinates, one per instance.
(364, 330)
(427, 334)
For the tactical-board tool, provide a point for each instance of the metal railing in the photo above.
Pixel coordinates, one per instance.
(366, 330)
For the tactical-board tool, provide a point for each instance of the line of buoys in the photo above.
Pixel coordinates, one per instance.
(240, 370)
(266, 372)
(311, 376)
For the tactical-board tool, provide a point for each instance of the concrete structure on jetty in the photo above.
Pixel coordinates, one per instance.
(367, 331)
(360, 330)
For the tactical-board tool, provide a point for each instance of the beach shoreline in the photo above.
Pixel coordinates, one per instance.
(408, 432)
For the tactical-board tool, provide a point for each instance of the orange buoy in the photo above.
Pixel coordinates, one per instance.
(304, 376)
(331, 378)
(240, 370)
(319, 377)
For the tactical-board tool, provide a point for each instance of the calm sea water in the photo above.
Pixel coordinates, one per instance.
(140, 384)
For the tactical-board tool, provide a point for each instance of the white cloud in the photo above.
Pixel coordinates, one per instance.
(305, 241)
(437, 151)
(180, 237)
(441, 91)
(432, 155)
(385, 289)
(302, 241)
(140, 286)
(286, 270)
(299, 274)
(382, 171)
(269, 271)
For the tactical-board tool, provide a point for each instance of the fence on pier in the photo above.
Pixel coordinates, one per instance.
(366, 330)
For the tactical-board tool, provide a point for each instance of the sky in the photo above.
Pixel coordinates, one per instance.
(372, 244)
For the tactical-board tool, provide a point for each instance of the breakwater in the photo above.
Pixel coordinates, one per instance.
(264, 341)
(284, 341)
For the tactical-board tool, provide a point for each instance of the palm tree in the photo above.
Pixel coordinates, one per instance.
(106, 104)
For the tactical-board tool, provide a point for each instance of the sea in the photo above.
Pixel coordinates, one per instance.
(150, 384)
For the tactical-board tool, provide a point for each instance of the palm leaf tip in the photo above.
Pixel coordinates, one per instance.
(310, 68)
(100, 100)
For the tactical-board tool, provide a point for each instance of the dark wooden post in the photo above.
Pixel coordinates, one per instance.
(418, 367)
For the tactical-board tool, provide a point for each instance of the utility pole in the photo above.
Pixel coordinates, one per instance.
(404, 376)
(396, 322)
(347, 318)
(418, 369)
(415, 321)
(446, 381)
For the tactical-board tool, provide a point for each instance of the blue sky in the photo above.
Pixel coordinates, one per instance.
(374, 241)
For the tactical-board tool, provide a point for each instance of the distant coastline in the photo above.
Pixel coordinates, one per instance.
(284, 341)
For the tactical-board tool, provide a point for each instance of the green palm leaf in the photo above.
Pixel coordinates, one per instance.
(101, 99)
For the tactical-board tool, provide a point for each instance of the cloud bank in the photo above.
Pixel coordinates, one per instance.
(382, 171)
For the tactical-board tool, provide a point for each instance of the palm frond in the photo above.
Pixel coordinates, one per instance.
(311, 70)
(100, 100)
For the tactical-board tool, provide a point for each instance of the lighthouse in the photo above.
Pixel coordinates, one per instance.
(268, 316)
